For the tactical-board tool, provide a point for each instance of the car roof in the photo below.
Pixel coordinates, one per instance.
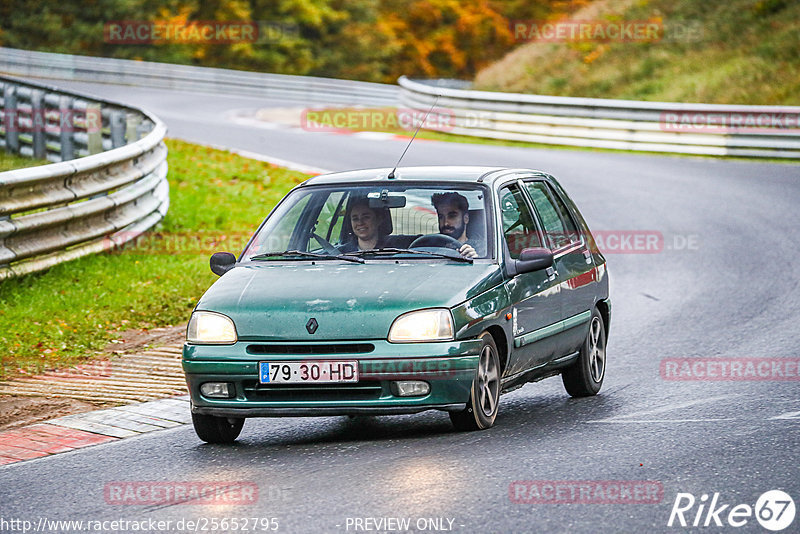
(433, 173)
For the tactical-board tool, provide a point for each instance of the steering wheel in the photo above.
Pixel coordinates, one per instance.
(436, 240)
(325, 244)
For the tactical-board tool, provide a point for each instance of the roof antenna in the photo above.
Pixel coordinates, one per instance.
(391, 174)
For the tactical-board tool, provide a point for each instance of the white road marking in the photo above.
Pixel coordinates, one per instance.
(258, 123)
(623, 421)
(668, 408)
(374, 135)
(787, 415)
(291, 165)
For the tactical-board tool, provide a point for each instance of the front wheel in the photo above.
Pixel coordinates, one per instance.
(481, 409)
(584, 378)
(213, 429)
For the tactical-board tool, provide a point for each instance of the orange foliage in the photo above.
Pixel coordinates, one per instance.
(445, 38)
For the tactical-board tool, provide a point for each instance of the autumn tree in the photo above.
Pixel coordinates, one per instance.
(375, 40)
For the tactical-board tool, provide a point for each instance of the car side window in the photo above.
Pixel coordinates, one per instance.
(519, 229)
(558, 224)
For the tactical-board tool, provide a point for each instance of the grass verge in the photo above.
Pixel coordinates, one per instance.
(9, 162)
(71, 312)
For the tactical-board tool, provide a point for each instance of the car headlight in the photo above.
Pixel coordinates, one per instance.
(423, 325)
(210, 327)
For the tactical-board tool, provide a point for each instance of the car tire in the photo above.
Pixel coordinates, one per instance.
(585, 377)
(213, 429)
(484, 398)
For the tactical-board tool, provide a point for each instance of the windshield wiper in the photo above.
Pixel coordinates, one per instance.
(389, 250)
(285, 253)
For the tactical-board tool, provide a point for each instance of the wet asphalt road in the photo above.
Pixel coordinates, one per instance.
(725, 285)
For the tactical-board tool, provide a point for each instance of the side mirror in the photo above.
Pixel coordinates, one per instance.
(222, 262)
(533, 259)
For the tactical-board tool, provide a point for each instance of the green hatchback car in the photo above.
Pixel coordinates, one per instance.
(393, 292)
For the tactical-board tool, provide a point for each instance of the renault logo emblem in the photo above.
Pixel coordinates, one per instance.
(312, 325)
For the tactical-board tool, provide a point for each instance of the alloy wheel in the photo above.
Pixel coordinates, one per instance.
(488, 381)
(597, 350)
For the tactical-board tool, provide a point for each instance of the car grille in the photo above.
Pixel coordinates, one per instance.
(318, 392)
(315, 348)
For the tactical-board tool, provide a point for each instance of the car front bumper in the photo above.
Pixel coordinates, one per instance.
(448, 367)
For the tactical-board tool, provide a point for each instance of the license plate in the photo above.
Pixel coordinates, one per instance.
(306, 372)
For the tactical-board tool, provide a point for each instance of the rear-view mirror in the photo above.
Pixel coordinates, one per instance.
(384, 199)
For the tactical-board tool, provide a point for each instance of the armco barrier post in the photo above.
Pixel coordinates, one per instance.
(94, 132)
(37, 126)
(143, 128)
(132, 127)
(10, 118)
(116, 121)
(66, 127)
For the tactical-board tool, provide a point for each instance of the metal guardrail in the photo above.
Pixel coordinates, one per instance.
(601, 123)
(304, 89)
(581, 122)
(114, 191)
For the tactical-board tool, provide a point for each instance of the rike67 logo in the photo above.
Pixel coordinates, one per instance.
(774, 510)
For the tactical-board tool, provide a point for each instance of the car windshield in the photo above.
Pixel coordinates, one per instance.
(382, 221)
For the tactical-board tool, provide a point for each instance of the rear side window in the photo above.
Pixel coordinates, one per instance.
(519, 229)
(558, 225)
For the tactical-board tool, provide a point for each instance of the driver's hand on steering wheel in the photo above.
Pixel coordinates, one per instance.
(467, 251)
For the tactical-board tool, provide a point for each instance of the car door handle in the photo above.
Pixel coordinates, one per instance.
(587, 256)
(551, 273)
